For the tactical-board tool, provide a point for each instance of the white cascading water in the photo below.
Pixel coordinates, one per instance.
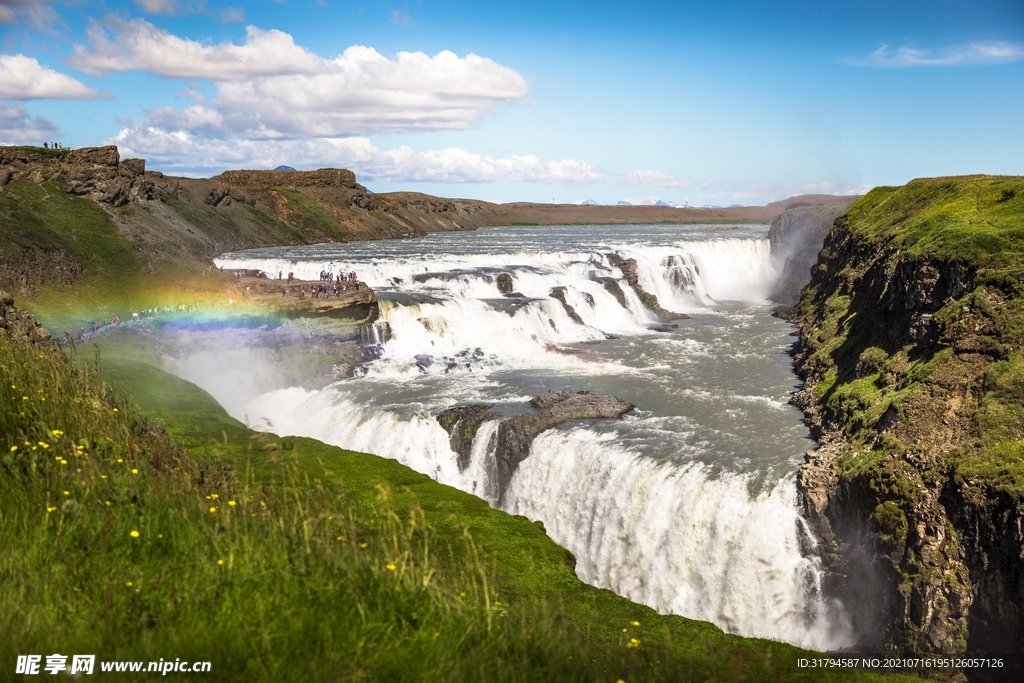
(689, 504)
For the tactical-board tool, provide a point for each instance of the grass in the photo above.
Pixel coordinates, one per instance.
(175, 532)
(305, 214)
(975, 220)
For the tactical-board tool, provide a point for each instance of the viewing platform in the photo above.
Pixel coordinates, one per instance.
(354, 302)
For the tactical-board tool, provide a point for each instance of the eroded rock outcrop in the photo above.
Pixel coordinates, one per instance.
(94, 172)
(558, 293)
(516, 434)
(629, 268)
(17, 324)
(462, 423)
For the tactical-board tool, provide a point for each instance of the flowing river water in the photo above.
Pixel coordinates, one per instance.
(688, 503)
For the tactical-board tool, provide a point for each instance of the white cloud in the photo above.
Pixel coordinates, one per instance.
(23, 78)
(990, 52)
(122, 45)
(655, 179)
(179, 151)
(17, 125)
(271, 88)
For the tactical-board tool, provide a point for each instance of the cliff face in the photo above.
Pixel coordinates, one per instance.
(94, 172)
(911, 341)
(796, 237)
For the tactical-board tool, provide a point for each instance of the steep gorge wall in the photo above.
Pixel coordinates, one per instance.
(910, 348)
(796, 236)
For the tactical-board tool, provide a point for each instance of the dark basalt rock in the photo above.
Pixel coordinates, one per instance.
(505, 284)
(559, 294)
(515, 434)
(555, 407)
(462, 424)
(628, 268)
(611, 285)
(222, 195)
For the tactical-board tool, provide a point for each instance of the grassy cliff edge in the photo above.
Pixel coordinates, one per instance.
(912, 348)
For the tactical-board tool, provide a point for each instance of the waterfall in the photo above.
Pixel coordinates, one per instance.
(677, 506)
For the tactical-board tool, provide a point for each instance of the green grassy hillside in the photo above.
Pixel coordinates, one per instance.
(174, 531)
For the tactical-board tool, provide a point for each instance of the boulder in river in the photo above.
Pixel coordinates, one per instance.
(554, 407)
(515, 434)
(462, 424)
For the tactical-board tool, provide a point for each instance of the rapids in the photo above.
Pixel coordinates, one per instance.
(687, 504)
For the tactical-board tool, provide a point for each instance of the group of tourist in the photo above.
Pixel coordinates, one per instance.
(53, 145)
(336, 288)
(327, 276)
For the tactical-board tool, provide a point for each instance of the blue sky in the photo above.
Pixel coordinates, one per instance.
(700, 102)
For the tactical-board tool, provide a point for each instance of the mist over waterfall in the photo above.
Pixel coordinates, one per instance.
(688, 503)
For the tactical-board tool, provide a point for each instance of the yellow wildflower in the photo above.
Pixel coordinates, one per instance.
(50, 509)
(220, 563)
(231, 503)
(13, 448)
(634, 623)
(362, 545)
(390, 567)
(128, 583)
(633, 642)
(134, 534)
(67, 493)
(134, 471)
(213, 509)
